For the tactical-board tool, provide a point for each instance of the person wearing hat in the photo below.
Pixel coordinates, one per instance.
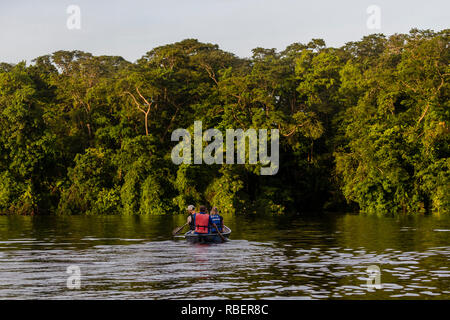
(190, 218)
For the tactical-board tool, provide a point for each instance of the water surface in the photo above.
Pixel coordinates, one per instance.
(275, 257)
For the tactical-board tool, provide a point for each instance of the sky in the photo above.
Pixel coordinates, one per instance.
(130, 28)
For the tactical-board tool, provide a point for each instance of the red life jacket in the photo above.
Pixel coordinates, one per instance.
(201, 223)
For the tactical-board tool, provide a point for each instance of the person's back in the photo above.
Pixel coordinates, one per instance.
(201, 221)
(190, 218)
(216, 219)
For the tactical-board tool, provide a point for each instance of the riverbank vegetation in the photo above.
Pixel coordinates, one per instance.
(364, 126)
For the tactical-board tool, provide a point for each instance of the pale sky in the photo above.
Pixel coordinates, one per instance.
(130, 28)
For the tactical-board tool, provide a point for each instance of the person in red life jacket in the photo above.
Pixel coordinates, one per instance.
(216, 219)
(190, 218)
(202, 221)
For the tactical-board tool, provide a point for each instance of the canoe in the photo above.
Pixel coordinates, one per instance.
(207, 238)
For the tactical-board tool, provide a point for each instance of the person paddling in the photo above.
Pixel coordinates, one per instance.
(216, 219)
(190, 218)
(201, 221)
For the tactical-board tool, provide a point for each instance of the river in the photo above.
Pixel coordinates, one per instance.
(324, 256)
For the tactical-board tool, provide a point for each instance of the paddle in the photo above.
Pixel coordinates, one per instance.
(221, 236)
(178, 229)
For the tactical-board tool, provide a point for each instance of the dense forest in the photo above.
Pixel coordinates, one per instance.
(362, 127)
